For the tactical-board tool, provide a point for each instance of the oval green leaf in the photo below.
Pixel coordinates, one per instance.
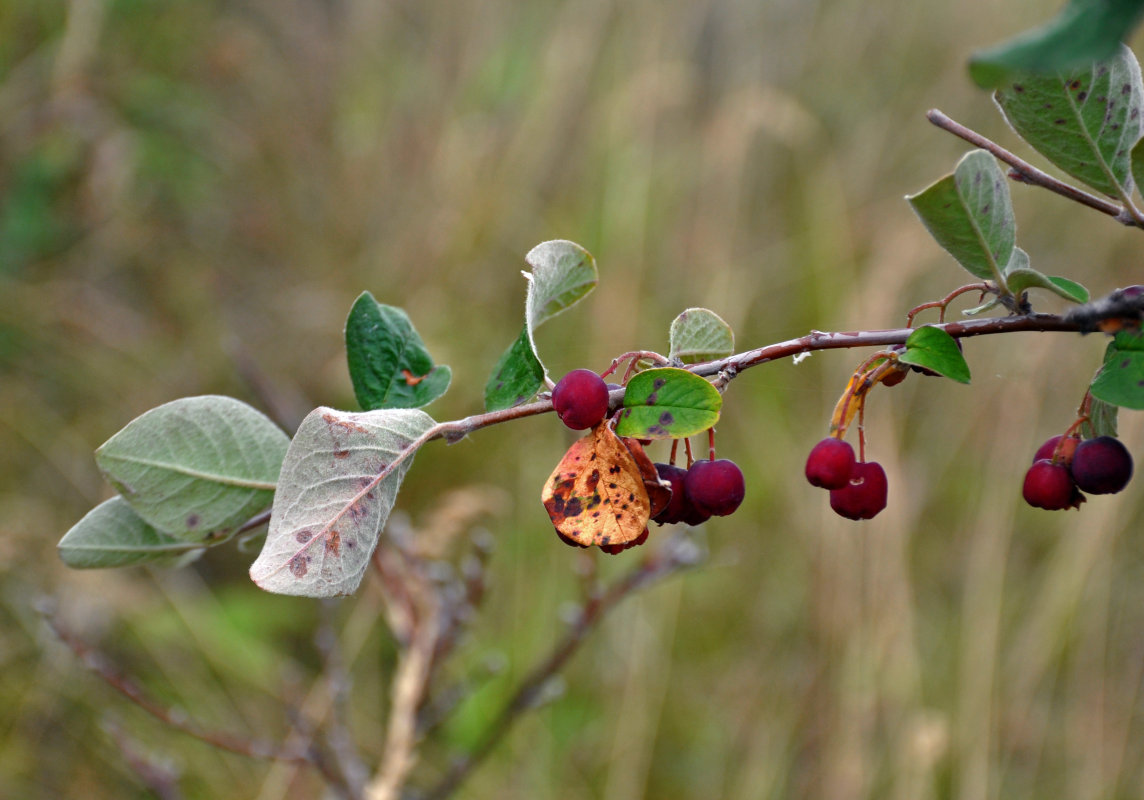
(516, 378)
(970, 214)
(388, 362)
(668, 403)
(1022, 279)
(1086, 121)
(196, 466)
(1084, 31)
(1120, 380)
(112, 535)
(699, 334)
(935, 349)
(562, 273)
(331, 502)
(1102, 419)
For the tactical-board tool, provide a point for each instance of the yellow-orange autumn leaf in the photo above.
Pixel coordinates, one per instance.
(596, 494)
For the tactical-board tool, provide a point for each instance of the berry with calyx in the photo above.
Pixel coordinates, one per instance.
(830, 463)
(894, 377)
(1047, 450)
(1101, 465)
(679, 508)
(864, 496)
(580, 399)
(715, 487)
(1050, 486)
(676, 507)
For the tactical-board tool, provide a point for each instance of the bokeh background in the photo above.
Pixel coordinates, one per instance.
(192, 194)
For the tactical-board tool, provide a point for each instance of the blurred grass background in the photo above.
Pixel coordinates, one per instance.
(193, 194)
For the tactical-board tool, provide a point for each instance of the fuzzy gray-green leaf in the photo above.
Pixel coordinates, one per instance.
(1085, 121)
(970, 214)
(112, 535)
(196, 466)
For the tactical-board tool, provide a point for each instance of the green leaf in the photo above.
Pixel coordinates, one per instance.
(1120, 381)
(935, 349)
(1020, 277)
(668, 403)
(516, 378)
(1084, 31)
(112, 535)
(330, 505)
(1136, 157)
(1101, 420)
(1086, 121)
(388, 362)
(699, 334)
(195, 466)
(1069, 290)
(562, 273)
(969, 214)
(992, 302)
(1127, 340)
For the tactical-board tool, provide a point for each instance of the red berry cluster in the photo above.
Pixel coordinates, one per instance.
(858, 489)
(708, 488)
(1064, 467)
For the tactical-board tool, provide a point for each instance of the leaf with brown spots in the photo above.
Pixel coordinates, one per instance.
(596, 493)
(332, 502)
(668, 403)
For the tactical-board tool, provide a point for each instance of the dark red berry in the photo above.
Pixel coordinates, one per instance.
(677, 506)
(715, 487)
(830, 463)
(1101, 465)
(1048, 448)
(580, 399)
(680, 508)
(894, 377)
(1050, 486)
(864, 496)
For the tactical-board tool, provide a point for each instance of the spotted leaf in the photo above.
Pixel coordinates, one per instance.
(668, 403)
(334, 495)
(596, 494)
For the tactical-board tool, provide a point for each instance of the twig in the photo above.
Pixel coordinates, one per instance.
(98, 663)
(670, 558)
(732, 366)
(943, 303)
(160, 778)
(1027, 173)
(337, 730)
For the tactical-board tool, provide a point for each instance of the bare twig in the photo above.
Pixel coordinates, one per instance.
(672, 557)
(98, 663)
(337, 730)
(161, 778)
(410, 681)
(1027, 173)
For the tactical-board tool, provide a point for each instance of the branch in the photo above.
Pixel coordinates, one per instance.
(1081, 319)
(98, 663)
(673, 557)
(1027, 173)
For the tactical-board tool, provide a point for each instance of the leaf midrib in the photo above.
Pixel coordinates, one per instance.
(181, 469)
